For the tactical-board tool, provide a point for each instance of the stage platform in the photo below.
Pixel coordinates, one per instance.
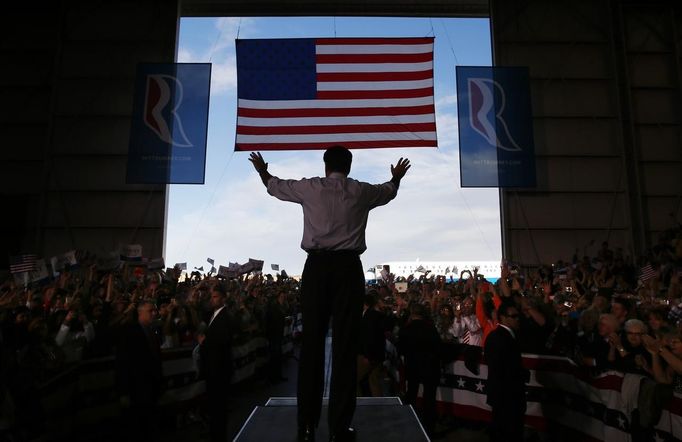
(375, 419)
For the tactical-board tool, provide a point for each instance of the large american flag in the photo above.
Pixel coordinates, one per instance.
(302, 94)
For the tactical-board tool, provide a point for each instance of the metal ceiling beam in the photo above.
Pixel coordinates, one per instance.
(388, 8)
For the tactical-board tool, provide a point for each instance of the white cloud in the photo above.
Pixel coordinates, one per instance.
(224, 77)
(448, 100)
(429, 218)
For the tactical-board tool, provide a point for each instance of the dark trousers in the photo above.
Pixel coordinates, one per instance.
(333, 286)
(143, 415)
(507, 423)
(427, 413)
(274, 370)
(217, 394)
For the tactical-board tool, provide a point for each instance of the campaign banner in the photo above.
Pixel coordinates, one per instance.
(496, 146)
(155, 264)
(131, 252)
(256, 265)
(40, 272)
(110, 261)
(181, 265)
(61, 262)
(169, 124)
(226, 272)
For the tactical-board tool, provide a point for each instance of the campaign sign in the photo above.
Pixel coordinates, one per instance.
(495, 127)
(169, 124)
(131, 252)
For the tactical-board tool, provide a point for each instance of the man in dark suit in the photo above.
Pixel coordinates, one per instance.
(275, 320)
(506, 386)
(140, 372)
(215, 356)
(372, 348)
(420, 343)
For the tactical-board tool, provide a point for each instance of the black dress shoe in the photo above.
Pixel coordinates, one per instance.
(306, 433)
(347, 435)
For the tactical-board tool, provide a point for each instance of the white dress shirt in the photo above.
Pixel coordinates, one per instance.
(335, 208)
(215, 313)
(508, 329)
(470, 323)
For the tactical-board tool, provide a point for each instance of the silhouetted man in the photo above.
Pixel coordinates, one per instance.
(215, 353)
(140, 372)
(420, 343)
(506, 386)
(275, 320)
(335, 211)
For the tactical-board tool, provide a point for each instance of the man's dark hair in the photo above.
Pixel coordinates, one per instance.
(624, 302)
(503, 309)
(370, 299)
(219, 289)
(338, 159)
(417, 309)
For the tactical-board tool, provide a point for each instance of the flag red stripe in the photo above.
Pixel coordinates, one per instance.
(322, 146)
(335, 129)
(374, 76)
(335, 112)
(373, 41)
(394, 93)
(373, 58)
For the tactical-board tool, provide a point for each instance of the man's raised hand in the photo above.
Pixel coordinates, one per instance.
(399, 170)
(258, 162)
(261, 166)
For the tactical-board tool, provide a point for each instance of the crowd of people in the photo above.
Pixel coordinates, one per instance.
(606, 312)
(84, 313)
(600, 311)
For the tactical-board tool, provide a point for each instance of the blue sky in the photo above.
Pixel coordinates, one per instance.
(231, 217)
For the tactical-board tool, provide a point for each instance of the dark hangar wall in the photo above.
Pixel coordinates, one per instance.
(67, 87)
(606, 95)
(606, 92)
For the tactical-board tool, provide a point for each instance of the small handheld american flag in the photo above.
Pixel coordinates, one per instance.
(646, 273)
(22, 263)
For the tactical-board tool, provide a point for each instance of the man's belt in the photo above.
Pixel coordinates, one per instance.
(326, 252)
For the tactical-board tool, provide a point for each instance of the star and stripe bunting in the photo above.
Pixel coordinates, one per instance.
(302, 94)
(593, 407)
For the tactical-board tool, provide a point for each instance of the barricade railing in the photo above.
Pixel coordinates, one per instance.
(561, 396)
(84, 395)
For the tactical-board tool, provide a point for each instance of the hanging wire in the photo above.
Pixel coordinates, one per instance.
(208, 204)
(461, 193)
(452, 48)
(433, 32)
(334, 26)
(220, 34)
(229, 160)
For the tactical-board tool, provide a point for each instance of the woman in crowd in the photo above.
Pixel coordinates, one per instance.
(666, 358)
